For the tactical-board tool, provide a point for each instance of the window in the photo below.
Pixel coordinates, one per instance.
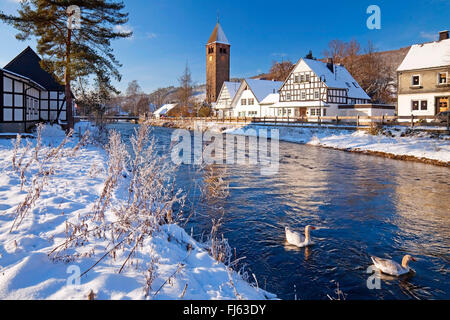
(415, 80)
(280, 112)
(302, 78)
(7, 84)
(313, 112)
(415, 105)
(316, 94)
(243, 102)
(288, 96)
(308, 78)
(424, 105)
(303, 95)
(348, 84)
(251, 102)
(211, 50)
(442, 78)
(324, 112)
(296, 79)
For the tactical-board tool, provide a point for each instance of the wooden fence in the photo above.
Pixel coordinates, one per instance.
(358, 121)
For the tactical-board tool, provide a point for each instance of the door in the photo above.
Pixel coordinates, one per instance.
(442, 104)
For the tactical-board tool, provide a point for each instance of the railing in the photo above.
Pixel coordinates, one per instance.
(358, 121)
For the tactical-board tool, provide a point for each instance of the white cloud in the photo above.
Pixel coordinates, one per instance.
(123, 28)
(431, 36)
(151, 35)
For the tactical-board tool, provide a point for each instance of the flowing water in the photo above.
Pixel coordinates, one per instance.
(361, 205)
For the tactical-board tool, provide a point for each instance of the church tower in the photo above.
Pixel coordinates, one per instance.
(217, 63)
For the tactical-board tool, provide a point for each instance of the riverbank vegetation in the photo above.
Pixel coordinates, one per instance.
(103, 223)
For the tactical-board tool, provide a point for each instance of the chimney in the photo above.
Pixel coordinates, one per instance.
(330, 64)
(443, 35)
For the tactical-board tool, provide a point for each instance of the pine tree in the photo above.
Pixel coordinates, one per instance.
(69, 52)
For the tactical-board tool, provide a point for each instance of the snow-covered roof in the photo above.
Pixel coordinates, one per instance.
(271, 99)
(218, 36)
(164, 109)
(262, 88)
(340, 79)
(232, 88)
(427, 55)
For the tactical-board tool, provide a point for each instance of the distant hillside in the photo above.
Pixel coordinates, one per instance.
(393, 58)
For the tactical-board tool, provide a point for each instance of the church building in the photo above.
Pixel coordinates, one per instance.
(217, 63)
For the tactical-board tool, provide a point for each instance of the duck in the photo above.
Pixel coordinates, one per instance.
(393, 268)
(296, 239)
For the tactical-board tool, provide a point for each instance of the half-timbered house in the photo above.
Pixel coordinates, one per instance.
(29, 94)
(315, 88)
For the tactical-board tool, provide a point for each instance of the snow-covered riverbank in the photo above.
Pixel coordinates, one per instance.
(183, 268)
(419, 146)
(399, 144)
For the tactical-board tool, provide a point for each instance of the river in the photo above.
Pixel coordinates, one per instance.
(361, 205)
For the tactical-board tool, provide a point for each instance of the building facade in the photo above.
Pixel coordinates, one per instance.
(29, 94)
(250, 95)
(223, 106)
(217, 63)
(423, 79)
(315, 88)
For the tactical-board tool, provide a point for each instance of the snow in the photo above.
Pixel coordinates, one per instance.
(338, 79)
(272, 98)
(420, 146)
(232, 87)
(219, 36)
(427, 55)
(26, 272)
(262, 88)
(164, 109)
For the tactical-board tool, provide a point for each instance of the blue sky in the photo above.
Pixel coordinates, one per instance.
(169, 33)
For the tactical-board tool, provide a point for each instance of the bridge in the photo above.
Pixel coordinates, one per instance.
(111, 118)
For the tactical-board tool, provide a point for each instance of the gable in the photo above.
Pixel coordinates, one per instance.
(27, 64)
(340, 79)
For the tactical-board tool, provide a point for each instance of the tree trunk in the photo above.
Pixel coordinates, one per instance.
(68, 91)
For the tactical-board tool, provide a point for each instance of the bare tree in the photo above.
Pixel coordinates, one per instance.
(185, 91)
(280, 70)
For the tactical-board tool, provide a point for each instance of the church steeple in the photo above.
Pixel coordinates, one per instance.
(217, 62)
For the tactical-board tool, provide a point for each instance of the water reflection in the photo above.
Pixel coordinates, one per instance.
(362, 206)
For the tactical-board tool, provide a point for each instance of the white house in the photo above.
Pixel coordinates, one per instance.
(164, 110)
(423, 79)
(247, 101)
(223, 106)
(315, 88)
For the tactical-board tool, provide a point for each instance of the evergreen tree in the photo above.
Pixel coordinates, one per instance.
(69, 52)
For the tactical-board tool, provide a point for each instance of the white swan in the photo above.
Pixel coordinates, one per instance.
(297, 239)
(391, 267)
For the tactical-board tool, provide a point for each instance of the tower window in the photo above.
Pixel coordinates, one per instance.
(210, 50)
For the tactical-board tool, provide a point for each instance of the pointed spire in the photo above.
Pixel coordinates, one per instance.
(218, 35)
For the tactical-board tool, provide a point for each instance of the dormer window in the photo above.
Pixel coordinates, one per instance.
(415, 81)
(355, 84)
(443, 78)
